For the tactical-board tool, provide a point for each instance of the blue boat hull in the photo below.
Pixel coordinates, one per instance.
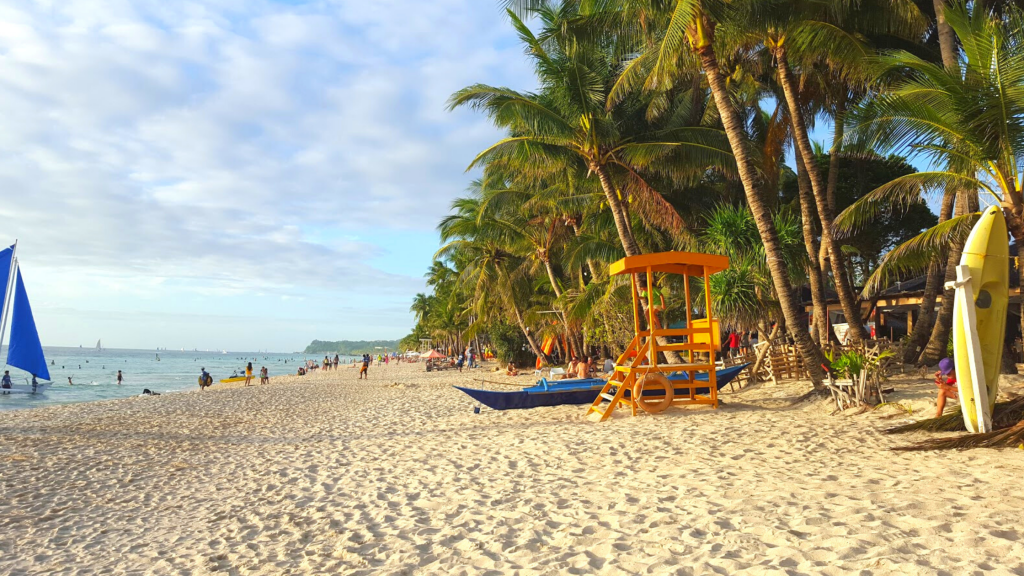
(570, 392)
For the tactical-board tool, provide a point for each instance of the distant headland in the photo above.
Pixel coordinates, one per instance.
(350, 347)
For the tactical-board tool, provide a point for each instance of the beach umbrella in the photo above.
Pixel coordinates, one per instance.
(433, 354)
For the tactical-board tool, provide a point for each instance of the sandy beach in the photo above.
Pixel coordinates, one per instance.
(397, 475)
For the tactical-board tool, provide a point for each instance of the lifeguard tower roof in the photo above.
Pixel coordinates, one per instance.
(688, 263)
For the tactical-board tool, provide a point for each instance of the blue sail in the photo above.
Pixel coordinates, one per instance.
(25, 350)
(5, 271)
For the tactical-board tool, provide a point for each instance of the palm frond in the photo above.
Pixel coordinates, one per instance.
(915, 255)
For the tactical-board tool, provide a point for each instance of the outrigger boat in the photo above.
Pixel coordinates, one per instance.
(579, 391)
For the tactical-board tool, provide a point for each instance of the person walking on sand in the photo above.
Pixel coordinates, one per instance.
(120, 378)
(364, 370)
(336, 360)
(264, 375)
(248, 374)
(205, 380)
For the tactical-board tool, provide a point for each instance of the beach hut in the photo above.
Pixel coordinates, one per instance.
(640, 380)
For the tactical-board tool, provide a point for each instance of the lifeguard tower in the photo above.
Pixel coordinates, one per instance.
(639, 380)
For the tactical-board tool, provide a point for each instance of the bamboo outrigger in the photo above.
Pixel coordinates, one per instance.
(638, 369)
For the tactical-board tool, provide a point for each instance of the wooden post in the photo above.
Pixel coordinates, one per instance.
(712, 372)
(689, 316)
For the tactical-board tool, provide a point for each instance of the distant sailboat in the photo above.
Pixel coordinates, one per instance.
(99, 347)
(24, 350)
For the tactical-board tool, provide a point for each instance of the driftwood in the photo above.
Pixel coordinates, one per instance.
(763, 353)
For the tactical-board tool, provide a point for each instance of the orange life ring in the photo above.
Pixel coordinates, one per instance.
(653, 380)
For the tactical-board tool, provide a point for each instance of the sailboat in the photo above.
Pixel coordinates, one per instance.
(99, 347)
(24, 350)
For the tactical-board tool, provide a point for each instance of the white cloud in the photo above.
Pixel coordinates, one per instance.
(230, 144)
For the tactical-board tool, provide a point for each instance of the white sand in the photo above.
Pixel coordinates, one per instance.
(333, 475)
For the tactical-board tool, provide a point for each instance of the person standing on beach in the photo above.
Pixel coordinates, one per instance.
(264, 375)
(336, 360)
(364, 371)
(734, 343)
(5, 382)
(120, 378)
(248, 373)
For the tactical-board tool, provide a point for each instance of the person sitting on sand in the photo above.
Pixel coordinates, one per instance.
(583, 368)
(609, 365)
(512, 370)
(945, 380)
(571, 368)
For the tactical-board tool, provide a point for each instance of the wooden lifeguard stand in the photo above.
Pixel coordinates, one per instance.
(638, 369)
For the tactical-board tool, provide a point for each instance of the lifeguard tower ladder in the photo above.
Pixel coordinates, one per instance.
(638, 368)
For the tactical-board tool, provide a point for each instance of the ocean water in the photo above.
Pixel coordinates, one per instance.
(94, 372)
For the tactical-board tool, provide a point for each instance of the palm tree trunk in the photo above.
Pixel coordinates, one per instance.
(618, 211)
(590, 263)
(819, 306)
(947, 39)
(847, 298)
(529, 337)
(571, 335)
(796, 319)
(1016, 225)
(833, 155)
(966, 202)
(932, 286)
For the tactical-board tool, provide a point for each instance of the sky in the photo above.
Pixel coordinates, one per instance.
(239, 174)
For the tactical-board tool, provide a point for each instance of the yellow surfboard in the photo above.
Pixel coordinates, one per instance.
(986, 253)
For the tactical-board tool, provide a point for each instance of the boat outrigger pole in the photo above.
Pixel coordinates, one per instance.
(9, 291)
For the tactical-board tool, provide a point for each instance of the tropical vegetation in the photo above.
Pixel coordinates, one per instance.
(692, 125)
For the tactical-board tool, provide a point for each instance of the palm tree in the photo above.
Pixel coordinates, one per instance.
(691, 25)
(496, 278)
(567, 123)
(421, 304)
(966, 120)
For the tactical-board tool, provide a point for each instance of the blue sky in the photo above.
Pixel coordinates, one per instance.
(236, 174)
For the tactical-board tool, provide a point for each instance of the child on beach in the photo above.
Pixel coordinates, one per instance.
(264, 375)
(945, 380)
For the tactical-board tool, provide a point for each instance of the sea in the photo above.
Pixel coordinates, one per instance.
(93, 372)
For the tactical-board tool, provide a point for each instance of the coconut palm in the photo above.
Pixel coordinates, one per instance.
(496, 278)
(690, 31)
(567, 125)
(967, 121)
